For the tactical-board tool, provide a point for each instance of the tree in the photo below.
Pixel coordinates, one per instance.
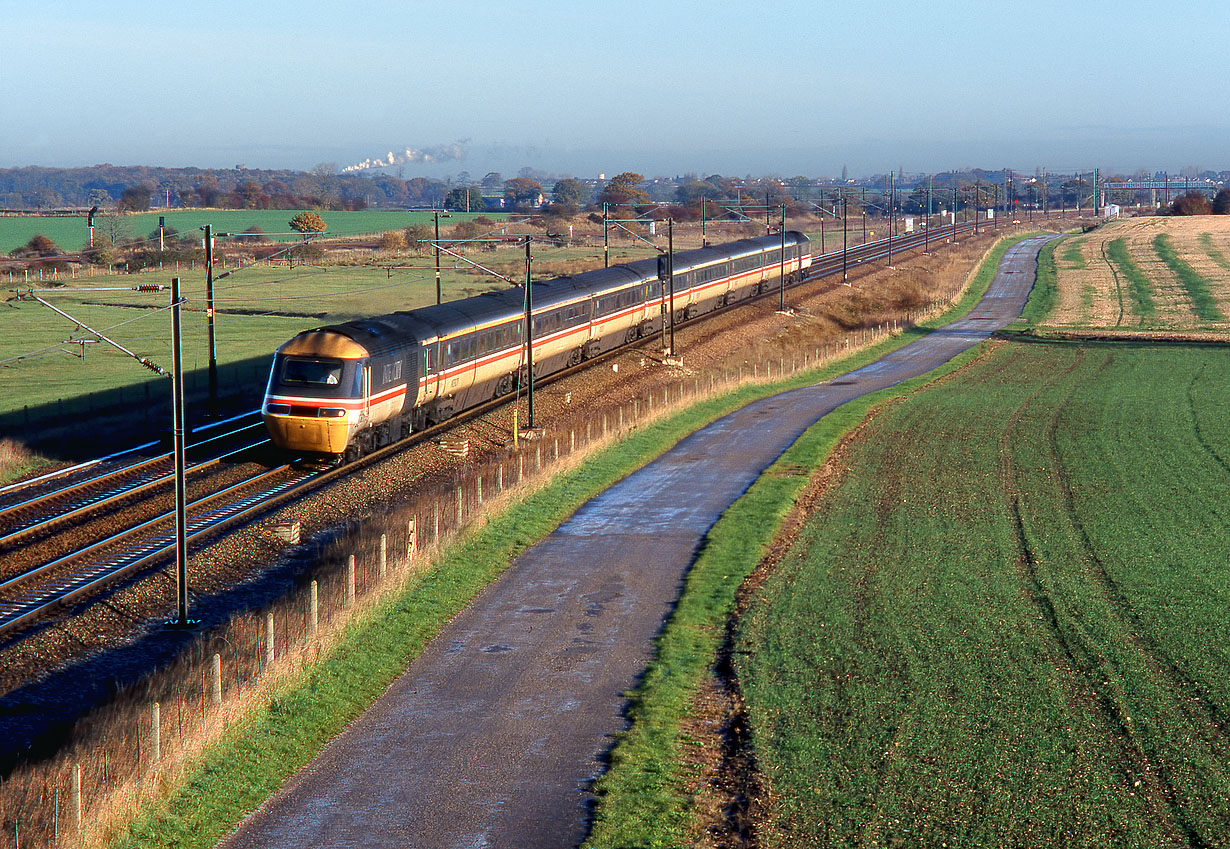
(1192, 203)
(308, 222)
(465, 199)
(135, 199)
(522, 193)
(1221, 203)
(492, 180)
(570, 194)
(623, 189)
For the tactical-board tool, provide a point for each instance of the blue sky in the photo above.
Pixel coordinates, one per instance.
(658, 87)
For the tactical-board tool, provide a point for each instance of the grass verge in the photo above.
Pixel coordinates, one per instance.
(1045, 293)
(641, 800)
(1197, 287)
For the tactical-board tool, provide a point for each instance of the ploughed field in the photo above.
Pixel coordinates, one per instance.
(1164, 273)
(1004, 625)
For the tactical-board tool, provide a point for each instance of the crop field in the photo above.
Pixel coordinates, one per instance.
(1004, 624)
(1146, 273)
(71, 233)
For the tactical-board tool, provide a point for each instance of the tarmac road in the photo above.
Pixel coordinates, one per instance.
(493, 736)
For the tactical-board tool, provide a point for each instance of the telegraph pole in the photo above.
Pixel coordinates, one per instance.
(606, 240)
(529, 337)
(177, 430)
(703, 242)
(781, 300)
(670, 276)
(437, 246)
(209, 316)
(821, 223)
(891, 219)
(954, 214)
(845, 216)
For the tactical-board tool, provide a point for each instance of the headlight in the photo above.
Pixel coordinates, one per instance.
(330, 413)
(278, 409)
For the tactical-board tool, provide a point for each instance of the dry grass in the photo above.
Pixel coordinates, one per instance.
(17, 460)
(1095, 290)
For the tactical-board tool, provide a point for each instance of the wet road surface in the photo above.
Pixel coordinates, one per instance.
(492, 737)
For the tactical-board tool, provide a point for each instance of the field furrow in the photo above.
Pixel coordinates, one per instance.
(1000, 627)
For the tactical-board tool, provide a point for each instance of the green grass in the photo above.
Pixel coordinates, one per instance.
(1196, 286)
(1045, 293)
(642, 798)
(72, 233)
(1139, 287)
(999, 628)
(1072, 254)
(1206, 241)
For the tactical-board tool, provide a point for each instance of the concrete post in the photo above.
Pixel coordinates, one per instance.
(313, 609)
(268, 639)
(478, 488)
(215, 679)
(350, 581)
(155, 733)
(412, 538)
(74, 798)
(384, 553)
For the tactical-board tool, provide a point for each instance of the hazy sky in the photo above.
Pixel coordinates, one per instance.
(659, 87)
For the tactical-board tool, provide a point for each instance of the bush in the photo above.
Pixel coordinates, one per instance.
(252, 234)
(308, 222)
(466, 230)
(392, 241)
(38, 246)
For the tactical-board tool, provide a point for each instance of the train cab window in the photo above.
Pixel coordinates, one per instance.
(312, 372)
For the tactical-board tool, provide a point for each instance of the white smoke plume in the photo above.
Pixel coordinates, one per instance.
(439, 153)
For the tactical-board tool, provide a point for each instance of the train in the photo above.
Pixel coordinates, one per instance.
(345, 389)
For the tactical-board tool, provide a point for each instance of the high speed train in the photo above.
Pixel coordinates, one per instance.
(348, 388)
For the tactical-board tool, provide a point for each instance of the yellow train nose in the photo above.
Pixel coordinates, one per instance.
(300, 433)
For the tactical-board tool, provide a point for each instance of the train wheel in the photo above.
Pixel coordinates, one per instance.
(574, 357)
(631, 335)
(505, 386)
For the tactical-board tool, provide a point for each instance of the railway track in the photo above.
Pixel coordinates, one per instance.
(35, 508)
(40, 508)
